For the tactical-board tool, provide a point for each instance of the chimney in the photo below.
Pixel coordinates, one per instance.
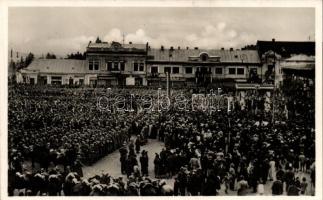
(130, 42)
(231, 49)
(171, 48)
(187, 48)
(196, 48)
(273, 40)
(178, 47)
(162, 48)
(222, 48)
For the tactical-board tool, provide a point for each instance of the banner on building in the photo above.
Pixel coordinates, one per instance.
(130, 81)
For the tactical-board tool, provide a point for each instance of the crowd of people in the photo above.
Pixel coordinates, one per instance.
(58, 130)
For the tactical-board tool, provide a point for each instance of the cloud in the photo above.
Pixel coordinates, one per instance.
(113, 35)
(220, 35)
(139, 36)
(210, 36)
(70, 44)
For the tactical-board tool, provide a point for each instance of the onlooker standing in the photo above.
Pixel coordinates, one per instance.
(303, 186)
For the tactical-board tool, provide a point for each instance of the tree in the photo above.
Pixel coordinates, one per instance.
(98, 40)
(50, 56)
(77, 56)
(29, 59)
(21, 60)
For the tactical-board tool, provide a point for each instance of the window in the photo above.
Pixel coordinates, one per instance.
(154, 70)
(141, 67)
(135, 67)
(94, 65)
(188, 70)
(218, 70)
(56, 80)
(109, 66)
(175, 70)
(204, 57)
(81, 81)
(122, 65)
(116, 66)
(32, 81)
(240, 71)
(91, 65)
(166, 69)
(232, 70)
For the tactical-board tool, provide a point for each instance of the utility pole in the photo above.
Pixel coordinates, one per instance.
(274, 91)
(167, 84)
(123, 35)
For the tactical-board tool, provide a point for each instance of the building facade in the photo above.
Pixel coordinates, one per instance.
(201, 67)
(54, 72)
(111, 64)
(284, 58)
(115, 64)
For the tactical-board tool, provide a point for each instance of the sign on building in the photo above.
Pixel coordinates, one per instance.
(130, 81)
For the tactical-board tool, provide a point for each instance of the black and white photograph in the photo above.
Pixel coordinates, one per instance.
(163, 101)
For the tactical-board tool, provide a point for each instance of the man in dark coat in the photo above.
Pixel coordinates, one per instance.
(212, 185)
(144, 162)
(289, 178)
(131, 162)
(182, 181)
(138, 143)
(123, 158)
(277, 187)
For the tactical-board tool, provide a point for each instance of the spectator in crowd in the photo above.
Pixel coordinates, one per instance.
(60, 130)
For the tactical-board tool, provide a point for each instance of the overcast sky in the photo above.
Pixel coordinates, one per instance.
(65, 30)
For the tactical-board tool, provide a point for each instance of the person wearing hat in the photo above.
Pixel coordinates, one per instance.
(123, 157)
(132, 189)
(289, 177)
(181, 182)
(137, 144)
(144, 163)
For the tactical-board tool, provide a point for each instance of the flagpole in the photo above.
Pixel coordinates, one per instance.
(274, 91)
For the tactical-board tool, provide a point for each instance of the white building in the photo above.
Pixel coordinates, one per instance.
(55, 71)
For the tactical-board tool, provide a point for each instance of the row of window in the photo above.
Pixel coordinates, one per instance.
(93, 65)
(139, 67)
(189, 70)
(234, 71)
(116, 66)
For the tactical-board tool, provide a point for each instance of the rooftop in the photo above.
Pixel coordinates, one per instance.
(57, 66)
(182, 55)
(116, 45)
